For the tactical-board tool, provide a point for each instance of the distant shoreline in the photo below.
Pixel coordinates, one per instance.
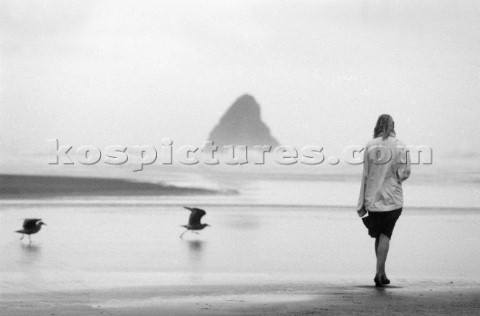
(41, 187)
(116, 201)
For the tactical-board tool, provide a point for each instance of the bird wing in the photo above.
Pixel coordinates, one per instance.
(30, 223)
(195, 216)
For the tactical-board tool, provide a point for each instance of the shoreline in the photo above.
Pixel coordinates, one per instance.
(36, 187)
(150, 201)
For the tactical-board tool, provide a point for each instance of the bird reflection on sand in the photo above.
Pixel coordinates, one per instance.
(196, 250)
(195, 245)
(30, 255)
(31, 248)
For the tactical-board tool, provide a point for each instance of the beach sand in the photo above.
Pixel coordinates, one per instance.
(14, 186)
(127, 259)
(418, 298)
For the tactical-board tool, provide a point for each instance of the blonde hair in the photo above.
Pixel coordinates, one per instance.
(385, 126)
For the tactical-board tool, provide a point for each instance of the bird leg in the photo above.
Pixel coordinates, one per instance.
(22, 237)
(30, 238)
(183, 233)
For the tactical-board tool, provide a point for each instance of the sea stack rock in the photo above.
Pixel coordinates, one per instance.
(242, 125)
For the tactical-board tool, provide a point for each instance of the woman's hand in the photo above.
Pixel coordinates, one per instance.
(362, 212)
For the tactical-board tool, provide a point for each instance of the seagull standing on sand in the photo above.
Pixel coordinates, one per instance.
(194, 220)
(30, 226)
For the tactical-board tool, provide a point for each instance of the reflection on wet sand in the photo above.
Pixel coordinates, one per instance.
(196, 248)
(30, 255)
(195, 245)
(30, 248)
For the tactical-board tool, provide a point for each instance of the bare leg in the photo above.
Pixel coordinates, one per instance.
(181, 236)
(382, 252)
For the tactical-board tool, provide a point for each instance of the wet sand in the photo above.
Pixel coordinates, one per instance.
(415, 297)
(47, 187)
(96, 259)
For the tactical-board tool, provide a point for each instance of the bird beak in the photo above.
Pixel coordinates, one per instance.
(188, 208)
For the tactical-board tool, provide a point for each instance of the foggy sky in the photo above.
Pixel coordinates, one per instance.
(134, 72)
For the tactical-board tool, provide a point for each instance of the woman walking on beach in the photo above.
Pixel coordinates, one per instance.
(386, 165)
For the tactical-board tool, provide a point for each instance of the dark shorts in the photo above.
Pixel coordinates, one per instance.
(381, 222)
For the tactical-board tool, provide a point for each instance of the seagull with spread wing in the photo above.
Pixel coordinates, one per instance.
(194, 220)
(30, 226)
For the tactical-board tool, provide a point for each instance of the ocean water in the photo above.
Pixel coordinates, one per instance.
(129, 243)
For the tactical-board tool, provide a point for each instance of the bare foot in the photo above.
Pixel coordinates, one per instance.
(385, 280)
(378, 281)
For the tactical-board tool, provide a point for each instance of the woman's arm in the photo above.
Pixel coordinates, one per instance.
(361, 199)
(404, 165)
